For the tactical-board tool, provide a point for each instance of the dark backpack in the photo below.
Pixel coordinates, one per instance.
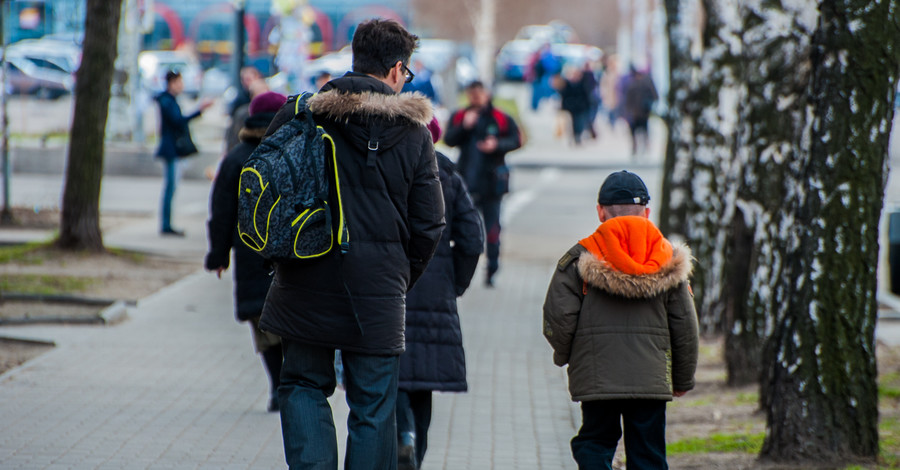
(285, 197)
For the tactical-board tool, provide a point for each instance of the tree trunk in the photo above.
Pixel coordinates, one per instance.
(80, 219)
(820, 384)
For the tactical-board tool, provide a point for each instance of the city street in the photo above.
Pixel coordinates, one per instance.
(178, 385)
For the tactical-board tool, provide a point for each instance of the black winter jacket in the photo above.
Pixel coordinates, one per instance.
(434, 357)
(395, 214)
(251, 277)
(485, 175)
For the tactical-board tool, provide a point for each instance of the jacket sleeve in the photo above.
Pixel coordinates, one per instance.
(684, 337)
(455, 133)
(562, 307)
(467, 234)
(512, 140)
(426, 210)
(223, 214)
(172, 113)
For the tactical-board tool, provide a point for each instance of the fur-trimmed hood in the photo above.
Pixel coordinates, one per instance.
(600, 274)
(253, 135)
(339, 106)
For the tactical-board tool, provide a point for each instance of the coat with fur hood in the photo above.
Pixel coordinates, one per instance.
(621, 315)
(393, 208)
(251, 277)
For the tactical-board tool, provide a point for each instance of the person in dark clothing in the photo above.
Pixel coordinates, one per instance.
(434, 359)
(252, 85)
(639, 95)
(172, 123)
(355, 301)
(484, 136)
(251, 276)
(576, 101)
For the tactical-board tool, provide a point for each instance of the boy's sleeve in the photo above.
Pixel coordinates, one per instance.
(684, 336)
(562, 307)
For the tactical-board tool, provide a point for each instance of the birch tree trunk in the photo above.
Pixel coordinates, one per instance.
(820, 391)
(80, 219)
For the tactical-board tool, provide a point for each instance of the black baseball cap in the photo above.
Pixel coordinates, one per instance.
(623, 187)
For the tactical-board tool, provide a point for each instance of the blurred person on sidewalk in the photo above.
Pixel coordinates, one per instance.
(639, 95)
(251, 275)
(355, 300)
(173, 127)
(575, 100)
(434, 359)
(252, 85)
(620, 312)
(484, 135)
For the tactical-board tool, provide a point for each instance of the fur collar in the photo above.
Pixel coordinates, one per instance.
(250, 134)
(339, 106)
(599, 274)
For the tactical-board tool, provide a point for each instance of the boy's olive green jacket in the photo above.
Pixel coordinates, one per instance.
(623, 336)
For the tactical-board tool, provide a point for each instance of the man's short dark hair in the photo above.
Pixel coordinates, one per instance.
(379, 44)
(171, 75)
(475, 85)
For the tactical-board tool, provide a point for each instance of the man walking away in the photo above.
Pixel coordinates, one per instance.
(619, 311)
(355, 302)
(251, 277)
(434, 357)
(484, 136)
(171, 125)
(640, 94)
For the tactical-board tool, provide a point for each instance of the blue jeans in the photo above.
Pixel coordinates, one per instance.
(414, 416)
(645, 434)
(307, 426)
(490, 212)
(170, 180)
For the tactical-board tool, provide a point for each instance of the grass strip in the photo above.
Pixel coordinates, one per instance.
(744, 443)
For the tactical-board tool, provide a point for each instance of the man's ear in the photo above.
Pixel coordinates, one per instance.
(647, 213)
(601, 213)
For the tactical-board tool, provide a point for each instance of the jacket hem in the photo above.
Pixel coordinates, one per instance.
(622, 396)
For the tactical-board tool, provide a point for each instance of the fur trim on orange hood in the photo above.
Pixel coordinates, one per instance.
(629, 256)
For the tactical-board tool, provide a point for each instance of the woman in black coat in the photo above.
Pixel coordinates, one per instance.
(251, 276)
(434, 359)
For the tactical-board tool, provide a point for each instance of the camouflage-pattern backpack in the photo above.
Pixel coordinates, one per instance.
(284, 207)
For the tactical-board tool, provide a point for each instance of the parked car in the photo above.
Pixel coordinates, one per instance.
(576, 55)
(554, 32)
(514, 58)
(37, 78)
(155, 64)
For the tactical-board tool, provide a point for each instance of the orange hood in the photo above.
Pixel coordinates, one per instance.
(629, 244)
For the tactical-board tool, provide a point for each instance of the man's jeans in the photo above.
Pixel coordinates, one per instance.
(171, 174)
(645, 434)
(308, 379)
(490, 212)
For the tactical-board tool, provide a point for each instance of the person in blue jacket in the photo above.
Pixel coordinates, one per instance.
(172, 124)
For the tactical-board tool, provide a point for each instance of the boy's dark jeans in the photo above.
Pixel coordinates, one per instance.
(645, 434)
(308, 379)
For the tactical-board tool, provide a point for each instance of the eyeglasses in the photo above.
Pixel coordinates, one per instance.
(409, 75)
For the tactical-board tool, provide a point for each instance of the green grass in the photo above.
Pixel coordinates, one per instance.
(748, 398)
(26, 253)
(44, 284)
(745, 443)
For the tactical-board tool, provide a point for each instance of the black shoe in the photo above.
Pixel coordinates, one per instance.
(172, 232)
(406, 452)
(273, 404)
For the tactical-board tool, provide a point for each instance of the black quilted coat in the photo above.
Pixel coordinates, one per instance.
(251, 277)
(434, 357)
(395, 213)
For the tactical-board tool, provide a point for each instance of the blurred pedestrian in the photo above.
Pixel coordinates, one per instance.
(354, 301)
(484, 135)
(422, 82)
(174, 143)
(252, 85)
(544, 66)
(322, 79)
(639, 96)
(591, 83)
(434, 359)
(620, 312)
(575, 100)
(251, 275)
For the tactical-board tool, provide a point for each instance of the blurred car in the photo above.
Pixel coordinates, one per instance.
(514, 58)
(554, 32)
(36, 76)
(576, 55)
(155, 64)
